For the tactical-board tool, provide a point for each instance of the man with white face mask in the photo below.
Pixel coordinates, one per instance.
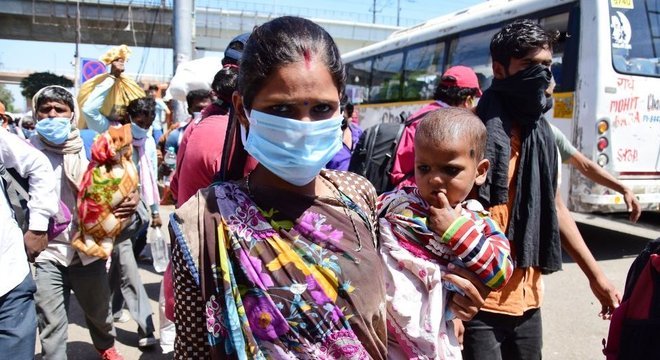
(124, 276)
(59, 268)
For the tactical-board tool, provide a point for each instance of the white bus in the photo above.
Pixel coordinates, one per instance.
(606, 65)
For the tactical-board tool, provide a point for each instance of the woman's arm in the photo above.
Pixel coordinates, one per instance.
(91, 109)
(465, 306)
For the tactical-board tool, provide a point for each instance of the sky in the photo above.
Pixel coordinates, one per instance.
(58, 57)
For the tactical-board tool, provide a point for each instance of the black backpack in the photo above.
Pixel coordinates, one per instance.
(374, 153)
(15, 188)
(373, 156)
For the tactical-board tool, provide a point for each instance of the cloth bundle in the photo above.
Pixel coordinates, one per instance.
(110, 177)
(122, 92)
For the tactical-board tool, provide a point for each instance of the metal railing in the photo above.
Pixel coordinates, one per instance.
(263, 8)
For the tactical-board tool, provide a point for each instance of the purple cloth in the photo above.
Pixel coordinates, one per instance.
(343, 158)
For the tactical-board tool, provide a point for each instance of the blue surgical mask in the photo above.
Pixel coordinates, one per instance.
(138, 132)
(54, 130)
(28, 132)
(197, 117)
(294, 150)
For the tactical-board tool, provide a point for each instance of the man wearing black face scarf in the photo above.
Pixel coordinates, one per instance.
(520, 195)
(519, 192)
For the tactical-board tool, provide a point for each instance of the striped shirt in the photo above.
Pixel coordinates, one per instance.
(474, 238)
(415, 261)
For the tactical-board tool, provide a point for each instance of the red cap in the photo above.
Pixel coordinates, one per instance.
(461, 76)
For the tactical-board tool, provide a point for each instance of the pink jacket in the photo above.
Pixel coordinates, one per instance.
(403, 170)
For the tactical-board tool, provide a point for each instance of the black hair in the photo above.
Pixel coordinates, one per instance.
(348, 109)
(453, 95)
(198, 94)
(56, 94)
(145, 106)
(451, 124)
(224, 83)
(153, 87)
(27, 120)
(517, 39)
(282, 41)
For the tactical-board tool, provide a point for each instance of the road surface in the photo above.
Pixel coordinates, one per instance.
(572, 328)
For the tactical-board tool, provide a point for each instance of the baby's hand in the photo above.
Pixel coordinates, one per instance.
(440, 218)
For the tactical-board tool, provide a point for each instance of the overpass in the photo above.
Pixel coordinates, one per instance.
(141, 23)
(15, 77)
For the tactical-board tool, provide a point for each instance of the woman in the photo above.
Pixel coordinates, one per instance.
(283, 263)
(351, 133)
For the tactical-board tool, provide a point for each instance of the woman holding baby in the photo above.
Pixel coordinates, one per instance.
(284, 262)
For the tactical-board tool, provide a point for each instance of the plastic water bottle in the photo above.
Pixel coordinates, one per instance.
(170, 162)
(159, 250)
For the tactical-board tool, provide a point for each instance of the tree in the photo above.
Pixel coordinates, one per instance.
(7, 98)
(36, 81)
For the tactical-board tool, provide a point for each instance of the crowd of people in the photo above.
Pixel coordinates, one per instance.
(276, 250)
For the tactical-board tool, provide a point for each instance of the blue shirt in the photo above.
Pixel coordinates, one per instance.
(174, 139)
(88, 136)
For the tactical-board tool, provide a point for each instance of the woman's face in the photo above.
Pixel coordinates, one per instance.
(303, 91)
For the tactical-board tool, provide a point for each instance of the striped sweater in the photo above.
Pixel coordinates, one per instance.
(415, 260)
(474, 238)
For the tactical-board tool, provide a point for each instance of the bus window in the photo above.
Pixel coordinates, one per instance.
(559, 23)
(635, 37)
(568, 67)
(474, 51)
(422, 70)
(386, 78)
(358, 76)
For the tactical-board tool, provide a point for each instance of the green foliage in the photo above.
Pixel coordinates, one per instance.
(36, 81)
(7, 98)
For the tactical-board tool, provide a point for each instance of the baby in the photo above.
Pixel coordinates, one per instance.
(424, 228)
(110, 177)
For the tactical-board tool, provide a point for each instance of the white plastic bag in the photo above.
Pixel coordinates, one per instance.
(193, 75)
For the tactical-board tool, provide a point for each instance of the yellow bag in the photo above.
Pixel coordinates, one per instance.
(122, 92)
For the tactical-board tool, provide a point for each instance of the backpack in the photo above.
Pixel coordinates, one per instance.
(635, 325)
(374, 152)
(16, 190)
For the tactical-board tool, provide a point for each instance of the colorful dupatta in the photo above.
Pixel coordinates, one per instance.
(275, 288)
(110, 177)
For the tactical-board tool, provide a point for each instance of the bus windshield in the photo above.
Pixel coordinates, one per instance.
(635, 36)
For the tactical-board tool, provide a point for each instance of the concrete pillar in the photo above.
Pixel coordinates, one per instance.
(182, 39)
(182, 31)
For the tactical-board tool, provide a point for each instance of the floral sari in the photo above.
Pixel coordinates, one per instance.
(294, 277)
